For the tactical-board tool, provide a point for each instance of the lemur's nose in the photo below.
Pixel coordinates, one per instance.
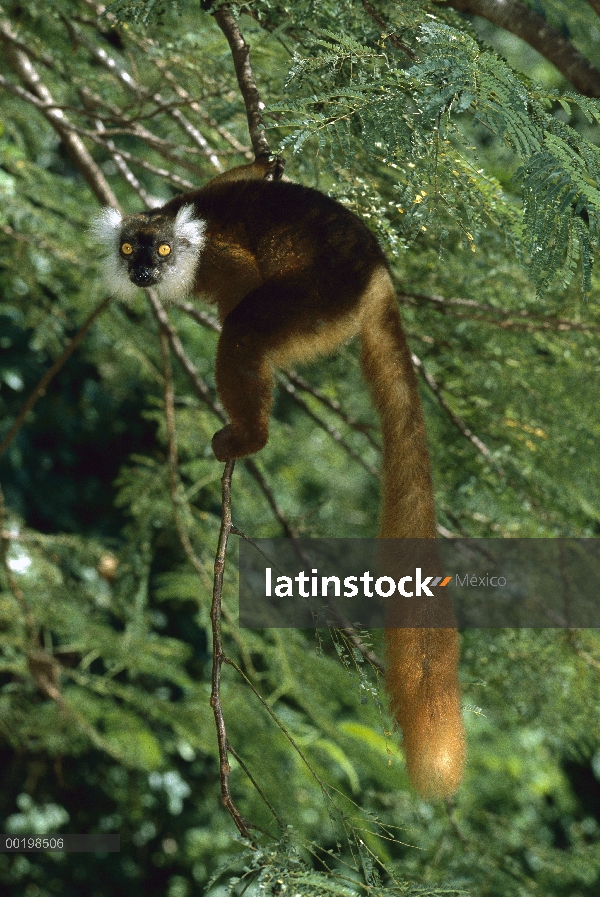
(142, 277)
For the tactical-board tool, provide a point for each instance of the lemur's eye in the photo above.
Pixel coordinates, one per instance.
(126, 248)
(164, 249)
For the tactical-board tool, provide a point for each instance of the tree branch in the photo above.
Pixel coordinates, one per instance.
(219, 656)
(204, 394)
(221, 131)
(595, 4)
(539, 34)
(518, 319)
(331, 431)
(240, 52)
(456, 420)
(75, 147)
(102, 57)
(393, 38)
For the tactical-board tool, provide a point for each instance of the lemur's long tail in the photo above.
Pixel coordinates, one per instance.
(422, 664)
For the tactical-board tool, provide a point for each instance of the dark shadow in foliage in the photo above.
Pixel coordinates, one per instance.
(70, 453)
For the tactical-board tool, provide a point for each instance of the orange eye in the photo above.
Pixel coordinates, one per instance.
(164, 249)
(126, 248)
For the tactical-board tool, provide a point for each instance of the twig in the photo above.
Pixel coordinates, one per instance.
(198, 384)
(22, 67)
(123, 167)
(180, 183)
(529, 321)
(41, 387)
(181, 92)
(144, 44)
(52, 110)
(288, 528)
(172, 455)
(393, 38)
(177, 494)
(333, 405)
(235, 754)
(241, 61)
(201, 317)
(456, 420)
(219, 655)
(334, 434)
(281, 726)
(39, 243)
(47, 107)
(102, 57)
(352, 635)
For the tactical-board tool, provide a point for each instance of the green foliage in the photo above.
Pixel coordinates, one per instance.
(409, 119)
(482, 182)
(142, 10)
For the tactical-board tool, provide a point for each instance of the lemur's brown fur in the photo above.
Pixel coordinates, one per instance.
(294, 274)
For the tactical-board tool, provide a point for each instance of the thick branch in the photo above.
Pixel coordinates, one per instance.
(595, 4)
(535, 30)
(240, 52)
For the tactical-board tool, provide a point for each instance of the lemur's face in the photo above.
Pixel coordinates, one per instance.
(151, 250)
(148, 248)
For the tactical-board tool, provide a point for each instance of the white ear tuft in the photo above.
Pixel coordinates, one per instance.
(189, 228)
(106, 227)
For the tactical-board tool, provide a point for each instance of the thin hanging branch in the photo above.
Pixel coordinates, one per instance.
(334, 434)
(219, 656)
(334, 406)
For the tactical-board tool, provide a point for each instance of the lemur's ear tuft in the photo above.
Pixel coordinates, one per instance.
(106, 227)
(188, 228)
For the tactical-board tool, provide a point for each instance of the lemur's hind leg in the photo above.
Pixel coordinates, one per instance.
(282, 319)
(263, 322)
